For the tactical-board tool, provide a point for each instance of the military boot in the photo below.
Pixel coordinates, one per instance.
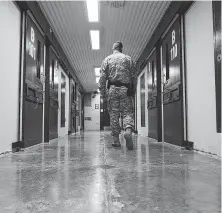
(129, 139)
(116, 141)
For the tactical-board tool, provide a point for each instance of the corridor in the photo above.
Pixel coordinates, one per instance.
(83, 173)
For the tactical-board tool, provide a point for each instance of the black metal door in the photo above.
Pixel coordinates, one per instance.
(101, 114)
(104, 114)
(152, 96)
(33, 86)
(106, 117)
(83, 114)
(73, 106)
(172, 87)
(63, 100)
(78, 110)
(53, 95)
(142, 100)
(217, 59)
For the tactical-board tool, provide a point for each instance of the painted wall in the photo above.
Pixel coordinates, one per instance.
(9, 87)
(201, 97)
(94, 124)
(142, 130)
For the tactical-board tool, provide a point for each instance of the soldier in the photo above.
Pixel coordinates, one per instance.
(120, 72)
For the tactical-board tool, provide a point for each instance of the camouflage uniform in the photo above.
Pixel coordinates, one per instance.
(118, 67)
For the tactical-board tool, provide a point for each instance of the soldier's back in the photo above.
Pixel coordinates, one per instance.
(119, 67)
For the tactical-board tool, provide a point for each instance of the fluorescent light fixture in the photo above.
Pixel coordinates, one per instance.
(97, 71)
(93, 10)
(94, 34)
(97, 79)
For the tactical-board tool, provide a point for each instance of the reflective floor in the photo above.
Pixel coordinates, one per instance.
(84, 173)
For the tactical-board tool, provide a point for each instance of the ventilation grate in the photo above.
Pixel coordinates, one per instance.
(116, 4)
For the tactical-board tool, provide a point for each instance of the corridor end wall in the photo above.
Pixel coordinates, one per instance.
(92, 112)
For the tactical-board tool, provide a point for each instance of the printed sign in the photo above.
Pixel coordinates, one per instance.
(173, 51)
(31, 45)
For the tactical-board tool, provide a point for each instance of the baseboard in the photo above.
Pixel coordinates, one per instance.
(153, 140)
(5, 153)
(152, 135)
(208, 154)
(16, 146)
(188, 145)
(173, 145)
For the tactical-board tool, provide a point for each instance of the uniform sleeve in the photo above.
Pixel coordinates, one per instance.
(133, 75)
(103, 77)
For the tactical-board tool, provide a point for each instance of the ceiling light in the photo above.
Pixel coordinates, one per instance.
(93, 10)
(94, 34)
(97, 79)
(97, 71)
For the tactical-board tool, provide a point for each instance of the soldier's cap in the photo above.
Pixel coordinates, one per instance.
(118, 45)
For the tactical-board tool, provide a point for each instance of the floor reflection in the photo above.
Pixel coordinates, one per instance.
(84, 173)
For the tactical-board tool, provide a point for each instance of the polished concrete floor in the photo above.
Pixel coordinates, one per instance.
(83, 173)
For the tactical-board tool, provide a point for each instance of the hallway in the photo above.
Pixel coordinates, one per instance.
(83, 173)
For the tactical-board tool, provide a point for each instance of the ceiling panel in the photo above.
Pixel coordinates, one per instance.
(133, 25)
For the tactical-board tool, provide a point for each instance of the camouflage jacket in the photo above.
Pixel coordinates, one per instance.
(117, 67)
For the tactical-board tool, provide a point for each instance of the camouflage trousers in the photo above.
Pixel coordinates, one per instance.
(120, 103)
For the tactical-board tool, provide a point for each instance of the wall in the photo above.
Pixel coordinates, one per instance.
(9, 88)
(142, 130)
(94, 124)
(201, 109)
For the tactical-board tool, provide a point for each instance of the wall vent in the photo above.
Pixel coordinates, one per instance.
(116, 4)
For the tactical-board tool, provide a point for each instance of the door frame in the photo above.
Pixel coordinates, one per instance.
(63, 131)
(158, 92)
(216, 7)
(82, 110)
(72, 100)
(25, 15)
(22, 80)
(177, 17)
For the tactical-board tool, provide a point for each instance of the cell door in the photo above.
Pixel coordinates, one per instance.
(63, 100)
(83, 114)
(73, 107)
(53, 95)
(105, 113)
(172, 86)
(33, 84)
(78, 112)
(63, 117)
(152, 96)
(142, 100)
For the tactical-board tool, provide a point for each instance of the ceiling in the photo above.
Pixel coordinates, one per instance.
(133, 24)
